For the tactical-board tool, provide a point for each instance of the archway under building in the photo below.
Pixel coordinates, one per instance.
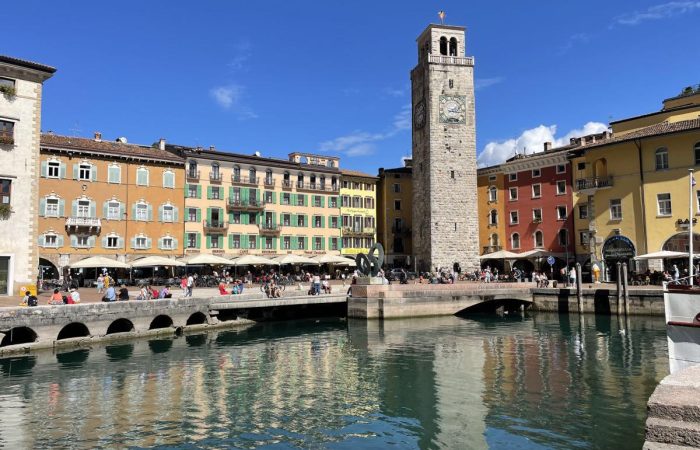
(48, 270)
(616, 249)
(679, 242)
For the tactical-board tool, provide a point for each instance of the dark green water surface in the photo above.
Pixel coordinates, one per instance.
(535, 382)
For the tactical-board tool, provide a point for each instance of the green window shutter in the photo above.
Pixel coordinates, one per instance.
(160, 214)
(293, 243)
(160, 243)
(187, 190)
(73, 240)
(93, 173)
(122, 210)
(93, 209)
(41, 240)
(208, 215)
(175, 242)
(274, 218)
(198, 241)
(149, 242)
(244, 241)
(42, 207)
(149, 210)
(44, 168)
(274, 243)
(245, 194)
(245, 219)
(92, 241)
(306, 199)
(199, 218)
(199, 191)
(59, 241)
(76, 171)
(176, 214)
(323, 221)
(120, 242)
(230, 241)
(105, 208)
(61, 207)
(62, 171)
(230, 192)
(330, 243)
(74, 208)
(323, 201)
(208, 192)
(220, 239)
(133, 211)
(293, 199)
(208, 241)
(274, 197)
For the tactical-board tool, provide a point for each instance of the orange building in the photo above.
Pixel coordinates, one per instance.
(113, 199)
(491, 209)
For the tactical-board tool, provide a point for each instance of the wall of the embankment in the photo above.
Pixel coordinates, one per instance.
(648, 302)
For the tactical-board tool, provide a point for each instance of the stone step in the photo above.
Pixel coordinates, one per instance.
(675, 402)
(674, 432)
(661, 446)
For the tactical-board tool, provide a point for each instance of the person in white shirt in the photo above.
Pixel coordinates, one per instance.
(190, 285)
(317, 284)
(75, 295)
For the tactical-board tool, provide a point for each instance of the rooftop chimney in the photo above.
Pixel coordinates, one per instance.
(547, 146)
(161, 143)
(98, 136)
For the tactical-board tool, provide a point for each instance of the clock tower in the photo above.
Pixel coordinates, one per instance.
(445, 217)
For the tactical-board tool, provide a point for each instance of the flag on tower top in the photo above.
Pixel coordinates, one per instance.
(441, 15)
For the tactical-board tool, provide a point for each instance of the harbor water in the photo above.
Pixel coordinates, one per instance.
(531, 382)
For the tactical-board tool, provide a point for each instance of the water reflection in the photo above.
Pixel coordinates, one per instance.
(546, 380)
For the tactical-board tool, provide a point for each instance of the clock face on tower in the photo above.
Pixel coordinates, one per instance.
(453, 109)
(419, 115)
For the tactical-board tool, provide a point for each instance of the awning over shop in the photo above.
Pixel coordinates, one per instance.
(294, 259)
(153, 261)
(99, 261)
(205, 259)
(253, 260)
(663, 255)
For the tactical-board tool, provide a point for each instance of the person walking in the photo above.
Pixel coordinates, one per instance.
(190, 286)
(572, 276)
(100, 284)
(317, 284)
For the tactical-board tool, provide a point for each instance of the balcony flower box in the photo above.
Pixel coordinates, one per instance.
(7, 139)
(8, 91)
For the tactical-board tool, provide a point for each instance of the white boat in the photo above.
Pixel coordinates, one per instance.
(682, 307)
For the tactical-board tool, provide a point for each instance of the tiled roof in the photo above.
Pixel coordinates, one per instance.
(27, 64)
(356, 173)
(652, 130)
(107, 148)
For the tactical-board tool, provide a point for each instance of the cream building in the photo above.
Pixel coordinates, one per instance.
(239, 204)
(21, 84)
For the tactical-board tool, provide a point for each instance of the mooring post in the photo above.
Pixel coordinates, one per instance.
(579, 291)
(625, 288)
(619, 288)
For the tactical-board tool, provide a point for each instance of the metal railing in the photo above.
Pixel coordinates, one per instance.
(594, 183)
(245, 180)
(244, 204)
(215, 176)
(214, 224)
(83, 222)
(193, 174)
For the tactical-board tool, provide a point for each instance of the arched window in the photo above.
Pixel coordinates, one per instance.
(51, 206)
(493, 194)
(322, 183)
(493, 217)
(453, 47)
(515, 240)
(697, 153)
(334, 183)
(539, 239)
(252, 175)
(215, 172)
(443, 45)
(192, 169)
(312, 181)
(300, 180)
(114, 173)
(142, 211)
(662, 158)
(236, 173)
(286, 182)
(268, 177)
(142, 176)
(494, 240)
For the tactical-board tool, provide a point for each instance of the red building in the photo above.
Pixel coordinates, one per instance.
(538, 206)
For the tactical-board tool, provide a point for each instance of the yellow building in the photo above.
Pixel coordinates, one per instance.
(245, 204)
(632, 188)
(358, 211)
(395, 215)
(491, 197)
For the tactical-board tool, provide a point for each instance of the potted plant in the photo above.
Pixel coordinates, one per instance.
(8, 91)
(6, 139)
(5, 211)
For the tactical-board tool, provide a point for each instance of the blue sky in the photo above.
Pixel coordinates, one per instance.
(281, 76)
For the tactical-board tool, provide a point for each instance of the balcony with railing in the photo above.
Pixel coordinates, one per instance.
(214, 225)
(245, 180)
(269, 182)
(593, 184)
(192, 174)
(245, 205)
(287, 184)
(492, 248)
(269, 228)
(91, 224)
(316, 187)
(452, 60)
(215, 177)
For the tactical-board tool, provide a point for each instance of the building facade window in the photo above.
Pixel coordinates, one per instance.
(142, 176)
(696, 151)
(536, 190)
(513, 194)
(169, 179)
(537, 215)
(493, 217)
(664, 204)
(583, 238)
(512, 177)
(513, 217)
(114, 174)
(536, 173)
(168, 213)
(141, 212)
(583, 212)
(397, 188)
(51, 241)
(192, 240)
(111, 242)
(397, 205)
(515, 240)
(539, 239)
(114, 210)
(561, 187)
(53, 169)
(661, 158)
(561, 168)
(7, 132)
(493, 194)
(167, 243)
(563, 237)
(51, 208)
(615, 209)
(561, 212)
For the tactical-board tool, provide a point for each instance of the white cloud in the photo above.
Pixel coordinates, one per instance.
(482, 83)
(662, 11)
(532, 141)
(362, 143)
(229, 98)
